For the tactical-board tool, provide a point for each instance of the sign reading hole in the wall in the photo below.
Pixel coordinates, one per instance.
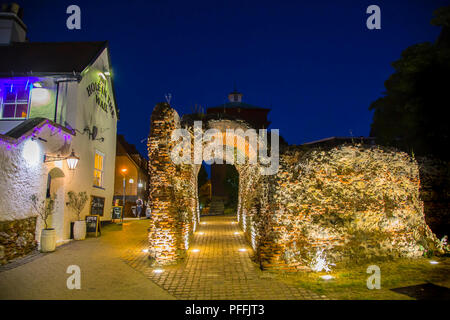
(102, 96)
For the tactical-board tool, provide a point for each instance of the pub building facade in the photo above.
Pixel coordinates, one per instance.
(58, 124)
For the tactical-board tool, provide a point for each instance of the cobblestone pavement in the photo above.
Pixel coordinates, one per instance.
(218, 266)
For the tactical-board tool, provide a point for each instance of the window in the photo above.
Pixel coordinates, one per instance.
(98, 169)
(15, 97)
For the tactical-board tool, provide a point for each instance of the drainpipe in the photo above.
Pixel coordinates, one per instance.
(56, 103)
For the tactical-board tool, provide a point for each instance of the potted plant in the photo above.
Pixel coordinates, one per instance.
(44, 209)
(77, 201)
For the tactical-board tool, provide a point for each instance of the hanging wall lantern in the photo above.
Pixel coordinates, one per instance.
(72, 160)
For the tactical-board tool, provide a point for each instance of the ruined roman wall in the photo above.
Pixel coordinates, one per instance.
(165, 236)
(349, 203)
(174, 190)
(435, 191)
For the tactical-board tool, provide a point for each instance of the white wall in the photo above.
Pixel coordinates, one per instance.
(18, 180)
(23, 173)
(27, 178)
(89, 114)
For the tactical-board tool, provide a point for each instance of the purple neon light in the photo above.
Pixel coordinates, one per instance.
(33, 134)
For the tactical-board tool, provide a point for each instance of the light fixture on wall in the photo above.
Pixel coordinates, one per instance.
(106, 71)
(92, 133)
(72, 160)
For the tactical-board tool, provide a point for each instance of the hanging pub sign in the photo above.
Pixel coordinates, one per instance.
(93, 224)
(102, 96)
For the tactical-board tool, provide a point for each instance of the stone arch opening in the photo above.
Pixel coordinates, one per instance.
(323, 205)
(174, 185)
(224, 189)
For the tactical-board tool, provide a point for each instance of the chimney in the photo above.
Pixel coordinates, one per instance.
(12, 28)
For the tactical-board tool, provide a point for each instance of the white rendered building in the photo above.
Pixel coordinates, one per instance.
(55, 99)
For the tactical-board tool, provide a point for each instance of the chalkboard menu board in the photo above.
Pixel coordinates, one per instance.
(117, 212)
(93, 224)
(97, 206)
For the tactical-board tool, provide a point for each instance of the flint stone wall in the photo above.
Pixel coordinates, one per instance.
(435, 193)
(349, 203)
(173, 197)
(17, 238)
(356, 203)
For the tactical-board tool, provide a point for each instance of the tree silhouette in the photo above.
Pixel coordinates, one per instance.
(411, 114)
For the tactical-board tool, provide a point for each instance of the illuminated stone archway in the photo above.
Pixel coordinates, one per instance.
(173, 187)
(322, 206)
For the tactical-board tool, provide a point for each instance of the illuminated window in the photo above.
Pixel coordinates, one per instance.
(98, 169)
(15, 98)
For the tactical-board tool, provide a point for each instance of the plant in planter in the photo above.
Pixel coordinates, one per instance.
(44, 208)
(77, 201)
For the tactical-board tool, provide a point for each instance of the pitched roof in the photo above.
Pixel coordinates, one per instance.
(27, 127)
(123, 148)
(27, 58)
(48, 57)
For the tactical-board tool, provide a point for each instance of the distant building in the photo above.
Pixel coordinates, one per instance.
(255, 116)
(131, 171)
(55, 98)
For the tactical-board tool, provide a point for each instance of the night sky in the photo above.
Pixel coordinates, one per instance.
(314, 63)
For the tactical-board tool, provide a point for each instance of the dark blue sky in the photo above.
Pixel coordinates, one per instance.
(313, 62)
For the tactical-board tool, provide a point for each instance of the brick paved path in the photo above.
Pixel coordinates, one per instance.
(217, 267)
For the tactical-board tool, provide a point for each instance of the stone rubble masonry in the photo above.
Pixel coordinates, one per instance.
(164, 235)
(357, 203)
(353, 202)
(173, 196)
(435, 193)
(16, 238)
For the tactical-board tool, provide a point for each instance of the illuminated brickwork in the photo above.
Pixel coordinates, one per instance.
(164, 232)
(351, 202)
(356, 203)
